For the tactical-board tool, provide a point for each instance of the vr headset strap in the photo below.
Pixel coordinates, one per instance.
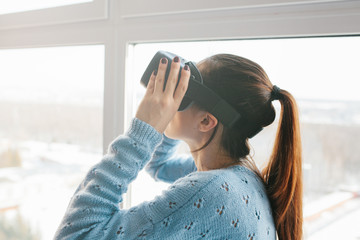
(208, 99)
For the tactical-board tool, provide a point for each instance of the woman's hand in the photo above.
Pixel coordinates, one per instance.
(159, 106)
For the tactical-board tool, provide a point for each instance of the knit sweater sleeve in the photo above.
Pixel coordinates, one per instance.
(166, 166)
(94, 212)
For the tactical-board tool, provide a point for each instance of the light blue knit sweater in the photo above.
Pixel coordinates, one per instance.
(228, 203)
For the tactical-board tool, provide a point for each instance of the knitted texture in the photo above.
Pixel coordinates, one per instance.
(228, 203)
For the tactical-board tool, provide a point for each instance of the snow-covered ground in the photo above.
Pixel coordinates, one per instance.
(43, 186)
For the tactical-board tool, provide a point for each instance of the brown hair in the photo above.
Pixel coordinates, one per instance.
(246, 86)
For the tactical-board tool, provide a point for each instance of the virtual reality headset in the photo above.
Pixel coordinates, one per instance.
(197, 91)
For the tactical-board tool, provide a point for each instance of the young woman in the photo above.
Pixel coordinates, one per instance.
(218, 192)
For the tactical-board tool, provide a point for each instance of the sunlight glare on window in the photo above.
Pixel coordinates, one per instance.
(13, 6)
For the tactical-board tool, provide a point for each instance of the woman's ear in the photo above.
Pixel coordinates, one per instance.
(208, 122)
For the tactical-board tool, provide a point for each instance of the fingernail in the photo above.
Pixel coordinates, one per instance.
(186, 67)
(155, 72)
(176, 59)
(163, 60)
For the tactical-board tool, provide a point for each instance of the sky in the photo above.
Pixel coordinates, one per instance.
(309, 68)
(70, 74)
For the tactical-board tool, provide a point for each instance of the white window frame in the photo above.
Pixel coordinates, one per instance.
(117, 24)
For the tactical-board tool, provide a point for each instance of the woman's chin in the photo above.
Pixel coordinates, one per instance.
(171, 134)
(168, 134)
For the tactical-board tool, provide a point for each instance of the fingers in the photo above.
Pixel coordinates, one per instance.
(173, 77)
(151, 83)
(183, 85)
(157, 82)
(160, 76)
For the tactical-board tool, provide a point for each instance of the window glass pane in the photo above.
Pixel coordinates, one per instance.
(322, 74)
(13, 6)
(50, 133)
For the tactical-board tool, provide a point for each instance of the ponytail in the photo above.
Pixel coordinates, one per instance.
(244, 84)
(283, 174)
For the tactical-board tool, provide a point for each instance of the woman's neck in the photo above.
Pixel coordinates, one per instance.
(211, 157)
